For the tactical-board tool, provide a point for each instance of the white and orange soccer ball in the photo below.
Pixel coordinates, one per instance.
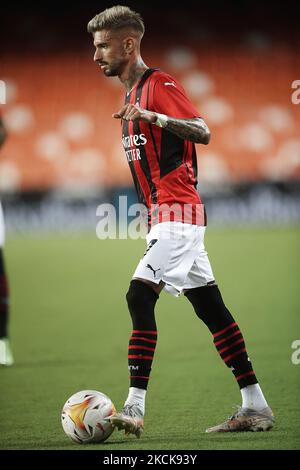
(84, 416)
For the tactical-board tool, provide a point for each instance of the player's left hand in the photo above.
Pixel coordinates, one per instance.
(133, 112)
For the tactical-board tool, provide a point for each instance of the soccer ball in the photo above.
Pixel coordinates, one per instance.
(83, 417)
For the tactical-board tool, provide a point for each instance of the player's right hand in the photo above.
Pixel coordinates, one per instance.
(133, 112)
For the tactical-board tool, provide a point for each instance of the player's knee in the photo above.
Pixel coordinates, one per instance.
(133, 298)
(209, 306)
(140, 298)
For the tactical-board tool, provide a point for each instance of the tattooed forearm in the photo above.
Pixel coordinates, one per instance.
(194, 130)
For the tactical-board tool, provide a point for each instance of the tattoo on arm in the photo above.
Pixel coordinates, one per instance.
(194, 130)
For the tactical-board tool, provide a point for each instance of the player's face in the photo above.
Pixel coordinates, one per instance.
(110, 53)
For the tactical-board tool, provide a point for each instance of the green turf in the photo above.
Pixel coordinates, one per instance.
(70, 327)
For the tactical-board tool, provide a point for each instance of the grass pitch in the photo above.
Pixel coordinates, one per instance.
(70, 327)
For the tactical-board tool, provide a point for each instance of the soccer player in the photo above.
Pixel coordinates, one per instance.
(6, 357)
(159, 129)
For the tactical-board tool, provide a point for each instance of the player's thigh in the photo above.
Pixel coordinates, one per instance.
(155, 260)
(156, 287)
(201, 273)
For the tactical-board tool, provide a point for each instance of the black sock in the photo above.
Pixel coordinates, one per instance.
(4, 299)
(141, 300)
(228, 339)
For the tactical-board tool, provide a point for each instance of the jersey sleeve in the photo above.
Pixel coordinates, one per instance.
(170, 98)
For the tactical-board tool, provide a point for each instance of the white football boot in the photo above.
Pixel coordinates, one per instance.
(246, 419)
(6, 357)
(130, 419)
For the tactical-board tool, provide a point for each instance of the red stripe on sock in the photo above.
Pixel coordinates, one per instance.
(223, 331)
(144, 339)
(148, 358)
(138, 377)
(227, 337)
(245, 375)
(231, 345)
(140, 347)
(240, 351)
(151, 332)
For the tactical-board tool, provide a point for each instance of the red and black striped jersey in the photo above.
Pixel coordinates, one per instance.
(163, 166)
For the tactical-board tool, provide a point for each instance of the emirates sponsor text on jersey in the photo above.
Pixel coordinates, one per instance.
(135, 140)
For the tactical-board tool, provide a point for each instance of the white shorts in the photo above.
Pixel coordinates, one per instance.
(2, 228)
(175, 255)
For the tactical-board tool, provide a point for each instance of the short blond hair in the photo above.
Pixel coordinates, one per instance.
(116, 18)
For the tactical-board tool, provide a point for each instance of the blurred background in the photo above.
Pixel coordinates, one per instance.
(63, 157)
(237, 61)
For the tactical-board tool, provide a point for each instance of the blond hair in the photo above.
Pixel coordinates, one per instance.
(115, 18)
